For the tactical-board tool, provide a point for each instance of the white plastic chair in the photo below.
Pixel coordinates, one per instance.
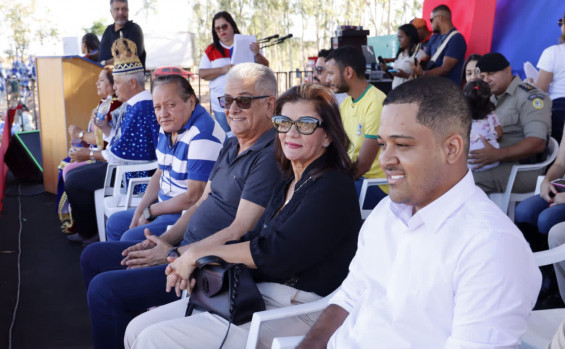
(507, 200)
(541, 326)
(116, 196)
(281, 313)
(368, 182)
(543, 323)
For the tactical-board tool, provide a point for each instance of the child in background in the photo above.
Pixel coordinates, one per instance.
(485, 122)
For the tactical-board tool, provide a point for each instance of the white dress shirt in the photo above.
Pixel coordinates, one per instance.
(457, 274)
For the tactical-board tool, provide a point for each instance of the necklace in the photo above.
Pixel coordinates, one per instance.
(297, 189)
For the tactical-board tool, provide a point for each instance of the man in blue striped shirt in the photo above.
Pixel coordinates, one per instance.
(188, 146)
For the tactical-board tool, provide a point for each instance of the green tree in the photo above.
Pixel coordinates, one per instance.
(98, 27)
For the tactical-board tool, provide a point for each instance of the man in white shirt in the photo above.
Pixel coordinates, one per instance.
(438, 265)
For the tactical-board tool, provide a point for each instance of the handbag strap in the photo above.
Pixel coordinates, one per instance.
(233, 278)
(234, 283)
(442, 47)
(203, 261)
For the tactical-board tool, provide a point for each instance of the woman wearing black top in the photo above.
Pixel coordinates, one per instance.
(302, 247)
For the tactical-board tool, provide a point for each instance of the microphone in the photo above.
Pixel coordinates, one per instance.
(280, 40)
(269, 38)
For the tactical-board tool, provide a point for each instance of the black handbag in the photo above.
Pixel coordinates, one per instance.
(225, 289)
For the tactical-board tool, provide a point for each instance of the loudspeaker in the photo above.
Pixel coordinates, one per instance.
(23, 156)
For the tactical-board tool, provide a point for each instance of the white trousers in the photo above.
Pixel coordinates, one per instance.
(167, 327)
(556, 237)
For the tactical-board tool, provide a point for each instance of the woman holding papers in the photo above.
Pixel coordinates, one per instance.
(216, 61)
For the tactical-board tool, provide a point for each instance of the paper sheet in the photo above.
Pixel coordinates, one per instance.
(241, 51)
(531, 71)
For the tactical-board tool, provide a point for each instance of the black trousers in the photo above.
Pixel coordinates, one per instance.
(80, 185)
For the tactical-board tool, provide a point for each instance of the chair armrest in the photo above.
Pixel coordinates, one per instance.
(286, 342)
(131, 186)
(281, 313)
(108, 179)
(123, 169)
(553, 255)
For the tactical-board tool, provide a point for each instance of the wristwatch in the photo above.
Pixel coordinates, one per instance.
(81, 135)
(147, 214)
(92, 158)
(174, 252)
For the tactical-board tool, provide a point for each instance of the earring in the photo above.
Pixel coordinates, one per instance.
(325, 145)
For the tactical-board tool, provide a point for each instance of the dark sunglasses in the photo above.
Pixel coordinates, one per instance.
(243, 102)
(222, 27)
(319, 70)
(560, 22)
(306, 125)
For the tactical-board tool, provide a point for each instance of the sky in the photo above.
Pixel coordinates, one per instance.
(70, 16)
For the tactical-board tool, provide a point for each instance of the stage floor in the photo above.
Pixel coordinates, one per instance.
(52, 310)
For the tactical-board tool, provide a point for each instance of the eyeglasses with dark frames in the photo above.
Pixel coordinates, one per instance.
(243, 102)
(305, 125)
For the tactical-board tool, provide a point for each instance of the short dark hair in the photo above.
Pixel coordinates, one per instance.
(478, 94)
(442, 8)
(412, 33)
(184, 89)
(349, 56)
(91, 41)
(225, 15)
(324, 53)
(441, 105)
(473, 57)
(108, 70)
(112, 1)
(326, 107)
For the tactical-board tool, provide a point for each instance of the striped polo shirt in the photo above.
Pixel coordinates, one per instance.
(192, 156)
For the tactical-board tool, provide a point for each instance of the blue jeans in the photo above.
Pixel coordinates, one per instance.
(536, 211)
(373, 196)
(115, 294)
(117, 227)
(222, 120)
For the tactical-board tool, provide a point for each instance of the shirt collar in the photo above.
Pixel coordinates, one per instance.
(122, 28)
(434, 214)
(265, 140)
(262, 142)
(141, 96)
(516, 81)
(198, 111)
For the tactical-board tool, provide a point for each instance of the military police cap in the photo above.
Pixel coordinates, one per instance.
(492, 62)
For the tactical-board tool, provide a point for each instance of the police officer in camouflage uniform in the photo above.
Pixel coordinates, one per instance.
(525, 116)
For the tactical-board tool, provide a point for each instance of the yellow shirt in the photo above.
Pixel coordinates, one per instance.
(361, 119)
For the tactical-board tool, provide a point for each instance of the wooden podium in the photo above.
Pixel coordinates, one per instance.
(67, 95)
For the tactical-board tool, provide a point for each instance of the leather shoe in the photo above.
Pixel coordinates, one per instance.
(90, 240)
(76, 237)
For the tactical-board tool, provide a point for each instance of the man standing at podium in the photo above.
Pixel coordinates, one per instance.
(132, 138)
(122, 25)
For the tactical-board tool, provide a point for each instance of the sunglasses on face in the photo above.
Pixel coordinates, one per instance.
(560, 23)
(319, 70)
(243, 102)
(222, 27)
(306, 125)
